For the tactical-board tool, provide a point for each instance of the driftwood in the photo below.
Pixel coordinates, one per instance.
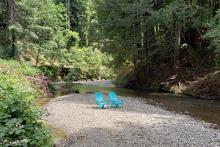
(41, 82)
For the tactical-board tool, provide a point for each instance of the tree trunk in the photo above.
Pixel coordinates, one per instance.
(190, 4)
(215, 6)
(176, 50)
(9, 6)
(10, 10)
(13, 44)
(68, 7)
(37, 58)
(10, 36)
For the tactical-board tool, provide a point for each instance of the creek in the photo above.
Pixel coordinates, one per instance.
(206, 110)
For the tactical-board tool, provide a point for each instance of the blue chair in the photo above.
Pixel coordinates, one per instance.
(100, 101)
(115, 102)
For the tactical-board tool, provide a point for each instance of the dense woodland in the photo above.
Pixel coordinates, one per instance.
(54, 34)
(147, 39)
(158, 39)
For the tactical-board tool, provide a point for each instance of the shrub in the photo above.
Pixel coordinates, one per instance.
(107, 73)
(92, 64)
(20, 121)
(15, 67)
(49, 71)
(73, 75)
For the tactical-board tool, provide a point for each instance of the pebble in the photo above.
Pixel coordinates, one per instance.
(136, 125)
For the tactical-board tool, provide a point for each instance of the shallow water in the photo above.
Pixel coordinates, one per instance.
(206, 110)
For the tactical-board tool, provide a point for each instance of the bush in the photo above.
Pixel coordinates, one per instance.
(73, 75)
(89, 63)
(107, 73)
(49, 71)
(15, 67)
(20, 121)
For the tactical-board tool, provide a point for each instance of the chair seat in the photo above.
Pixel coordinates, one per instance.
(100, 101)
(115, 102)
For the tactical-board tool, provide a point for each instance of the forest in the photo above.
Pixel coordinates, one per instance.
(156, 45)
(143, 43)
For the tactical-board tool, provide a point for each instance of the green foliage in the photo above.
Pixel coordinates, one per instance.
(143, 33)
(15, 67)
(151, 34)
(50, 32)
(72, 39)
(121, 27)
(88, 63)
(81, 18)
(47, 72)
(20, 121)
(214, 35)
(50, 71)
(73, 75)
(42, 35)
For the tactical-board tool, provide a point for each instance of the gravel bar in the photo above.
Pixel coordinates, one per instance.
(136, 125)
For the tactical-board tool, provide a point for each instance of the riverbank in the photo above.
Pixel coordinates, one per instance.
(137, 124)
(200, 85)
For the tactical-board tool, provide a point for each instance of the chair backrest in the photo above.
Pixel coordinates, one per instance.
(113, 96)
(99, 96)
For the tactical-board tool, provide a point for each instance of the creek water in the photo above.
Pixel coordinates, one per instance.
(205, 110)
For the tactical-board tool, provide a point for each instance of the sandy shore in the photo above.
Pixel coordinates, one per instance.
(136, 125)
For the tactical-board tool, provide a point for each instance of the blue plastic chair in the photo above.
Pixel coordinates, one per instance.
(99, 100)
(115, 102)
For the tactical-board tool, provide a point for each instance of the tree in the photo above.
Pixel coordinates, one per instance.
(42, 34)
(8, 16)
(153, 35)
(124, 28)
(213, 34)
(80, 17)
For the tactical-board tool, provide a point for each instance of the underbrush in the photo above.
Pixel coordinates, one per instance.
(15, 67)
(20, 121)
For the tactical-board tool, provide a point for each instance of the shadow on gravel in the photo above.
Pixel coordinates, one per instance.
(128, 134)
(137, 124)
